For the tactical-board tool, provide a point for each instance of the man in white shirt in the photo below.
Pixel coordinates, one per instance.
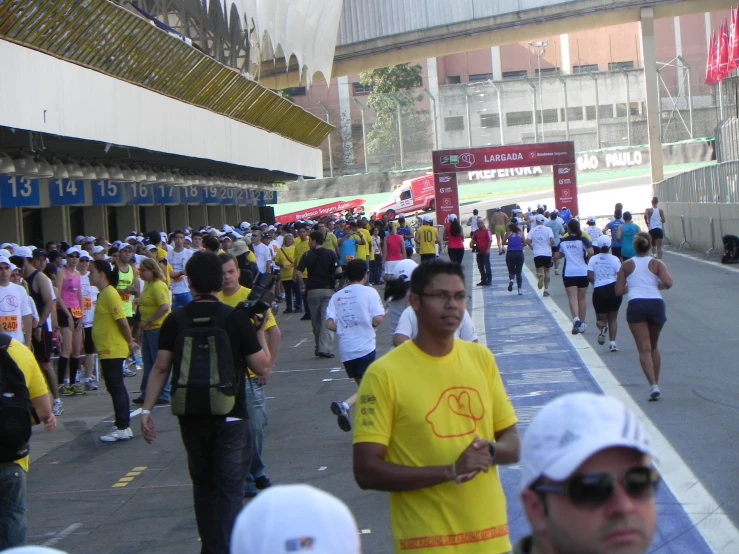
(177, 258)
(262, 252)
(354, 313)
(592, 231)
(16, 317)
(541, 241)
(407, 328)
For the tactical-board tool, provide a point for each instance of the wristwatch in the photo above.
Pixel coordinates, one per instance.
(493, 452)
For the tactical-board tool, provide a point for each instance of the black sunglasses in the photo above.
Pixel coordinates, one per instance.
(73, 256)
(592, 490)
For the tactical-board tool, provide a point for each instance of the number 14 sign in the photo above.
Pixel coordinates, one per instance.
(66, 192)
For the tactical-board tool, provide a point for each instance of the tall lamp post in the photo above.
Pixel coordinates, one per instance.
(538, 49)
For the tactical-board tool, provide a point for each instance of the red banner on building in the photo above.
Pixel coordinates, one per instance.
(447, 197)
(503, 157)
(565, 188)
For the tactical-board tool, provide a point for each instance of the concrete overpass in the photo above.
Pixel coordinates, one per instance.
(385, 33)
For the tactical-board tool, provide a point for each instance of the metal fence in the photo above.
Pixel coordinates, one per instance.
(712, 184)
(595, 110)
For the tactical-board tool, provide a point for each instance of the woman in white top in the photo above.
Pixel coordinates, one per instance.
(575, 248)
(655, 219)
(643, 278)
(602, 272)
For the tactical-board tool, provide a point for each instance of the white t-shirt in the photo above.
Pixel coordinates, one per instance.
(574, 250)
(263, 255)
(541, 238)
(605, 269)
(34, 311)
(353, 308)
(593, 232)
(13, 306)
(89, 299)
(473, 223)
(178, 260)
(408, 325)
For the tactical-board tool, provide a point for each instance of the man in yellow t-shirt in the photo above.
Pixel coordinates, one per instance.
(285, 259)
(364, 251)
(302, 245)
(431, 419)
(12, 481)
(232, 294)
(427, 237)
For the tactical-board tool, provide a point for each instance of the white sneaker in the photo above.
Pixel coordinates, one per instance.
(556, 271)
(57, 409)
(612, 347)
(654, 393)
(117, 435)
(583, 327)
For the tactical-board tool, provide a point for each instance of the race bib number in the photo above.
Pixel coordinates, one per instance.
(125, 297)
(87, 304)
(9, 323)
(76, 313)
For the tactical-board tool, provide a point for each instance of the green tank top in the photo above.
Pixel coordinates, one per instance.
(125, 280)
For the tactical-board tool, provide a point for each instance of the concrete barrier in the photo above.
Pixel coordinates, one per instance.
(698, 224)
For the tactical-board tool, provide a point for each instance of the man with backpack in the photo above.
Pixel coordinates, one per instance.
(205, 346)
(24, 401)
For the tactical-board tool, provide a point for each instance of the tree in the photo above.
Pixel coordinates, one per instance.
(389, 84)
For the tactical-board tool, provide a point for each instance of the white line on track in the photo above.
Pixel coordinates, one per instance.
(307, 369)
(62, 534)
(301, 342)
(706, 514)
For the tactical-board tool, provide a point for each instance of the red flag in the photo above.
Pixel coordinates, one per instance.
(711, 62)
(723, 53)
(734, 42)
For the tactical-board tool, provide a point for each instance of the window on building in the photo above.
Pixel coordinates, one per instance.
(577, 69)
(515, 74)
(547, 71)
(616, 66)
(455, 123)
(481, 77)
(453, 80)
(634, 108)
(294, 91)
(489, 120)
(605, 112)
(518, 118)
(574, 114)
(361, 90)
(550, 116)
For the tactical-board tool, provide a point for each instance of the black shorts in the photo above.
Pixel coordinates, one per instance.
(131, 321)
(356, 368)
(605, 299)
(42, 348)
(62, 319)
(646, 310)
(542, 261)
(88, 344)
(616, 251)
(579, 282)
(656, 234)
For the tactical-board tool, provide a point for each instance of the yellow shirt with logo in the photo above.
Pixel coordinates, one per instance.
(301, 247)
(331, 242)
(427, 239)
(125, 280)
(426, 411)
(35, 381)
(286, 256)
(365, 250)
(108, 339)
(239, 297)
(155, 294)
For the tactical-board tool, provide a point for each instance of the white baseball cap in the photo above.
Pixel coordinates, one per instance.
(98, 249)
(295, 518)
(5, 260)
(23, 252)
(404, 269)
(591, 220)
(244, 225)
(574, 427)
(603, 241)
(540, 218)
(33, 549)
(84, 255)
(452, 217)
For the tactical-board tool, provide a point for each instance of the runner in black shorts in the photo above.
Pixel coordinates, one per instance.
(602, 272)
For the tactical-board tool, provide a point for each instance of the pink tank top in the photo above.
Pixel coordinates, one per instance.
(69, 290)
(394, 244)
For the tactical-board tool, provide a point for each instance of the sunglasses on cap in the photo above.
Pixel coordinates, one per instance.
(592, 490)
(73, 255)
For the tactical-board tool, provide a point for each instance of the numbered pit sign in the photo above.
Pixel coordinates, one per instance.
(227, 196)
(66, 192)
(19, 192)
(211, 195)
(107, 192)
(140, 193)
(166, 194)
(191, 195)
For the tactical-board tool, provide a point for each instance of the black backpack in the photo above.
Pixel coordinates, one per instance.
(16, 409)
(204, 378)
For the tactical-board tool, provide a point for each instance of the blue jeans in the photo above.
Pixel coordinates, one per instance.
(257, 421)
(218, 457)
(13, 514)
(149, 346)
(181, 300)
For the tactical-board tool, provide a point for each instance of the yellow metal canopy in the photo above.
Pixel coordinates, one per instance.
(107, 38)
